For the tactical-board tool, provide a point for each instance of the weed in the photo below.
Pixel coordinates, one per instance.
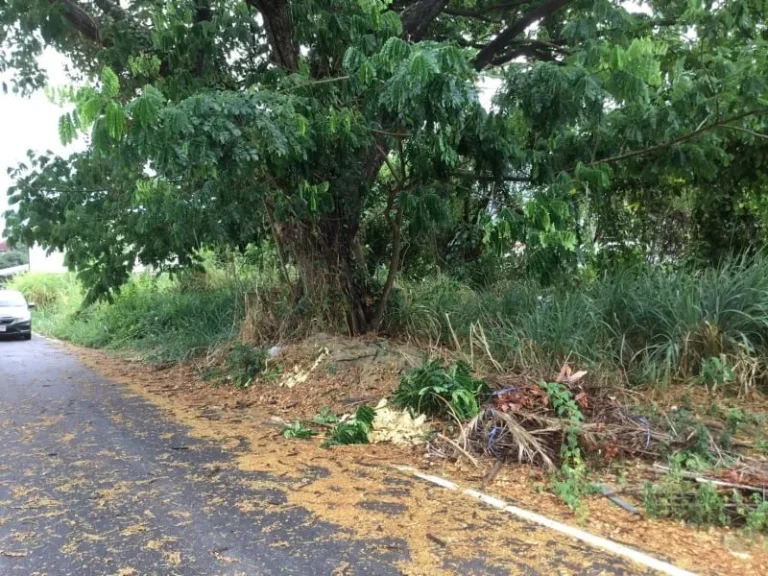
(571, 485)
(436, 390)
(653, 325)
(273, 372)
(702, 503)
(352, 431)
(326, 416)
(298, 430)
(716, 372)
(698, 453)
(757, 518)
(677, 498)
(245, 363)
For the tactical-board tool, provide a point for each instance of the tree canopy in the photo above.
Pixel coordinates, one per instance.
(350, 134)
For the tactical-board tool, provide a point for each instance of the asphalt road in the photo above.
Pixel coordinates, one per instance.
(96, 481)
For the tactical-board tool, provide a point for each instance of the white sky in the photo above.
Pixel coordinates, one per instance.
(29, 123)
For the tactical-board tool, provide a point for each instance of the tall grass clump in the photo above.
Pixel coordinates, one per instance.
(647, 323)
(55, 295)
(46, 290)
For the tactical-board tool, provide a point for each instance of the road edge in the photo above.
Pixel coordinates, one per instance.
(609, 546)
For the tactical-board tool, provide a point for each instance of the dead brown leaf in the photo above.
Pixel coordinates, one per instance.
(14, 553)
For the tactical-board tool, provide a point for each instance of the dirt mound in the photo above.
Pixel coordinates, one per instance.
(334, 372)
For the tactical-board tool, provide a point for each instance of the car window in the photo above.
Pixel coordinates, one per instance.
(11, 299)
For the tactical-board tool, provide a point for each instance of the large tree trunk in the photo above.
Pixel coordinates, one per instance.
(328, 256)
(331, 273)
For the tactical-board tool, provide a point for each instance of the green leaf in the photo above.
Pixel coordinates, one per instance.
(299, 431)
(422, 66)
(115, 120)
(67, 130)
(394, 51)
(110, 83)
(90, 109)
(146, 107)
(353, 59)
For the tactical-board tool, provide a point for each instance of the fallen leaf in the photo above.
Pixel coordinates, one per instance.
(14, 553)
(577, 376)
(564, 375)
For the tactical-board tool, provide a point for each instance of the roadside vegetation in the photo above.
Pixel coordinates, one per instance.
(643, 327)
(153, 317)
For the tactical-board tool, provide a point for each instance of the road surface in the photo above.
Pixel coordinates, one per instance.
(96, 481)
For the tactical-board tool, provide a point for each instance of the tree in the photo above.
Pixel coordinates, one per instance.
(304, 121)
(13, 258)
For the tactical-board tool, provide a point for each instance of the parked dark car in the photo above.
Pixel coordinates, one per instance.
(15, 315)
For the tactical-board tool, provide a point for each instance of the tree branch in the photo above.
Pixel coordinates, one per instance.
(400, 181)
(535, 49)
(483, 14)
(203, 13)
(394, 261)
(472, 175)
(507, 36)
(530, 50)
(417, 17)
(79, 18)
(279, 27)
(680, 139)
(746, 131)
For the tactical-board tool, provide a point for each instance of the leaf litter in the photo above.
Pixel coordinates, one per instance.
(359, 473)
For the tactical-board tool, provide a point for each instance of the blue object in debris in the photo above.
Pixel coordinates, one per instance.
(492, 439)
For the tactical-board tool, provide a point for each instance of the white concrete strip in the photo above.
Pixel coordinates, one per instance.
(595, 541)
(429, 478)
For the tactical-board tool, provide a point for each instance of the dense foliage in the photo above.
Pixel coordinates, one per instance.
(13, 258)
(349, 136)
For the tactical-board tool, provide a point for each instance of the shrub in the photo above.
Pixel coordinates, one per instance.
(299, 431)
(436, 390)
(354, 430)
(245, 364)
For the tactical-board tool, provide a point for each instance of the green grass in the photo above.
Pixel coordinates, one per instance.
(435, 389)
(156, 318)
(649, 324)
(643, 325)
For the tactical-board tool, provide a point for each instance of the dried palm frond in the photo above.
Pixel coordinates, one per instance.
(498, 434)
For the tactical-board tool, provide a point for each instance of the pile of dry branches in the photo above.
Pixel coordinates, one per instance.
(520, 424)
